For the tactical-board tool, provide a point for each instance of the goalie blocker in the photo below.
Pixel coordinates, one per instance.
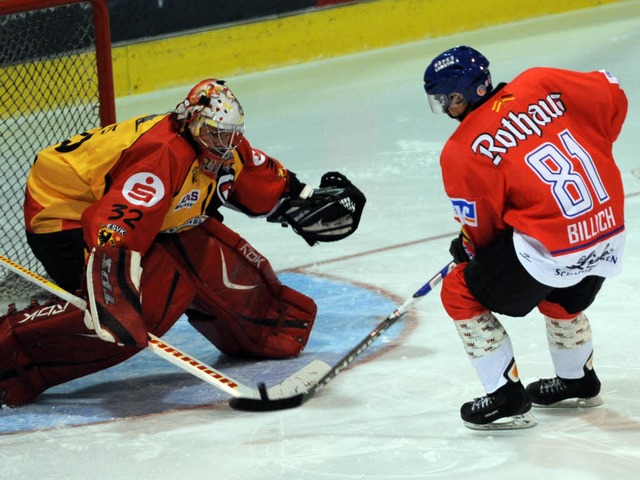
(325, 214)
(227, 289)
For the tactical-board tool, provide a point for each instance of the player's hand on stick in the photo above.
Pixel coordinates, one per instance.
(459, 249)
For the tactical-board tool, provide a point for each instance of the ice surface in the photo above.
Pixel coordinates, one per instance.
(395, 416)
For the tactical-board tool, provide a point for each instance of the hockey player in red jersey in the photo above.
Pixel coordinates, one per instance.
(127, 217)
(531, 176)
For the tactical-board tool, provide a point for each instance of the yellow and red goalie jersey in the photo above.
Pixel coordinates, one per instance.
(537, 158)
(126, 183)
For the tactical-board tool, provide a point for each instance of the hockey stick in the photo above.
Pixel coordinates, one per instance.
(267, 404)
(301, 379)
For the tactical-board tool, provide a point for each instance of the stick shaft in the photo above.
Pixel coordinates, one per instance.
(266, 404)
(385, 325)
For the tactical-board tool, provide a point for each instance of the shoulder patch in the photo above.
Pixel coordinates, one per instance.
(258, 157)
(144, 189)
(465, 211)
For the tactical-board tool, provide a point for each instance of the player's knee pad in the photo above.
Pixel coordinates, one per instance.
(241, 306)
(45, 345)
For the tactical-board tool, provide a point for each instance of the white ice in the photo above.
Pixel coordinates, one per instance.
(395, 416)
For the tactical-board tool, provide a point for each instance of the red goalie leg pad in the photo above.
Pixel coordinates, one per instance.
(113, 289)
(45, 345)
(121, 309)
(281, 332)
(167, 291)
(20, 383)
(240, 305)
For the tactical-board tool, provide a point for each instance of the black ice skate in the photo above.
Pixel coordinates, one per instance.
(566, 393)
(508, 408)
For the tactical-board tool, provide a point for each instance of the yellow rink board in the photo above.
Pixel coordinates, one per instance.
(146, 66)
(324, 33)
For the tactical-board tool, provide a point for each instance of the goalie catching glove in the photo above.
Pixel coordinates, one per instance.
(325, 214)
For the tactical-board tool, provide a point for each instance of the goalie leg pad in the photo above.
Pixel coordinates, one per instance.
(119, 312)
(113, 290)
(241, 306)
(46, 345)
(282, 332)
(20, 383)
(167, 290)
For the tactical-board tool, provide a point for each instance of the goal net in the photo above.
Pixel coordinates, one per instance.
(55, 72)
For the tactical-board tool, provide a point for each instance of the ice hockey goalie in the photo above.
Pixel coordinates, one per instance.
(227, 289)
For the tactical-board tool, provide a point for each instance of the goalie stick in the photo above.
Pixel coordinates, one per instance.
(265, 403)
(303, 378)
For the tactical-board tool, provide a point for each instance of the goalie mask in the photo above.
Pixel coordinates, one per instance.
(215, 119)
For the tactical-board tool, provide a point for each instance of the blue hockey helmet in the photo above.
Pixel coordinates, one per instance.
(461, 70)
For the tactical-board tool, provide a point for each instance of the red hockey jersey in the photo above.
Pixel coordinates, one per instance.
(125, 183)
(537, 158)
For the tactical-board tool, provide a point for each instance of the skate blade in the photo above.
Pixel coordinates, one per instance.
(574, 403)
(517, 422)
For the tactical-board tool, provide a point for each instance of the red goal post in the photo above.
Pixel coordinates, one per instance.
(57, 81)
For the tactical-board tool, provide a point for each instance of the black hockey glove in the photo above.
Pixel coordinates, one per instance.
(325, 214)
(457, 250)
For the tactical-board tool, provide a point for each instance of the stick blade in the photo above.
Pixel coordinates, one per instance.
(291, 393)
(267, 404)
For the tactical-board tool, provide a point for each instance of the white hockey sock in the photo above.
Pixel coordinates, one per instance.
(489, 348)
(570, 345)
